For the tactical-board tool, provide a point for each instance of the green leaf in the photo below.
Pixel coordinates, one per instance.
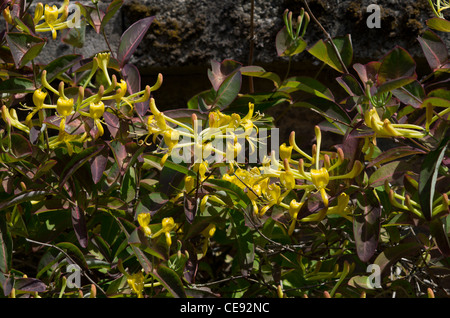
(6, 246)
(428, 175)
(244, 242)
(228, 91)
(438, 230)
(257, 71)
(110, 11)
(171, 281)
(350, 84)
(23, 197)
(15, 85)
(439, 24)
(60, 65)
(70, 248)
(286, 46)
(324, 51)
(232, 189)
(24, 47)
(308, 85)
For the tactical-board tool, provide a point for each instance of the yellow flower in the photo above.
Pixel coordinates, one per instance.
(384, 128)
(320, 179)
(96, 111)
(208, 232)
(10, 117)
(136, 283)
(168, 224)
(144, 221)
(285, 152)
(51, 16)
(294, 209)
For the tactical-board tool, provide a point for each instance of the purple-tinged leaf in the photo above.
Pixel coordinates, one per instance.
(79, 225)
(132, 77)
(391, 255)
(29, 284)
(410, 94)
(21, 146)
(368, 71)
(60, 65)
(98, 165)
(112, 123)
(44, 168)
(191, 204)
(220, 71)
(366, 225)
(434, 49)
(79, 160)
(24, 47)
(396, 64)
(390, 172)
(131, 38)
(394, 154)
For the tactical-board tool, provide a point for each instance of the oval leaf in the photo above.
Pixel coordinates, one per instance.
(131, 38)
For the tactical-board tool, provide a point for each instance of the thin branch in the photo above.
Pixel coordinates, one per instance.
(328, 37)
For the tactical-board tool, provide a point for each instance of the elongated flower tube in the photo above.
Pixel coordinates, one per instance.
(10, 117)
(386, 129)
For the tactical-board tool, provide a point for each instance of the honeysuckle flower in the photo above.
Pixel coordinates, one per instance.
(66, 139)
(96, 111)
(168, 224)
(294, 209)
(51, 15)
(103, 62)
(384, 128)
(7, 16)
(64, 107)
(208, 232)
(52, 19)
(136, 283)
(10, 117)
(144, 221)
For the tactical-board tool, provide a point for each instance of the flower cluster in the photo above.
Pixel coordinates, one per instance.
(270, 184)
(80, 117)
